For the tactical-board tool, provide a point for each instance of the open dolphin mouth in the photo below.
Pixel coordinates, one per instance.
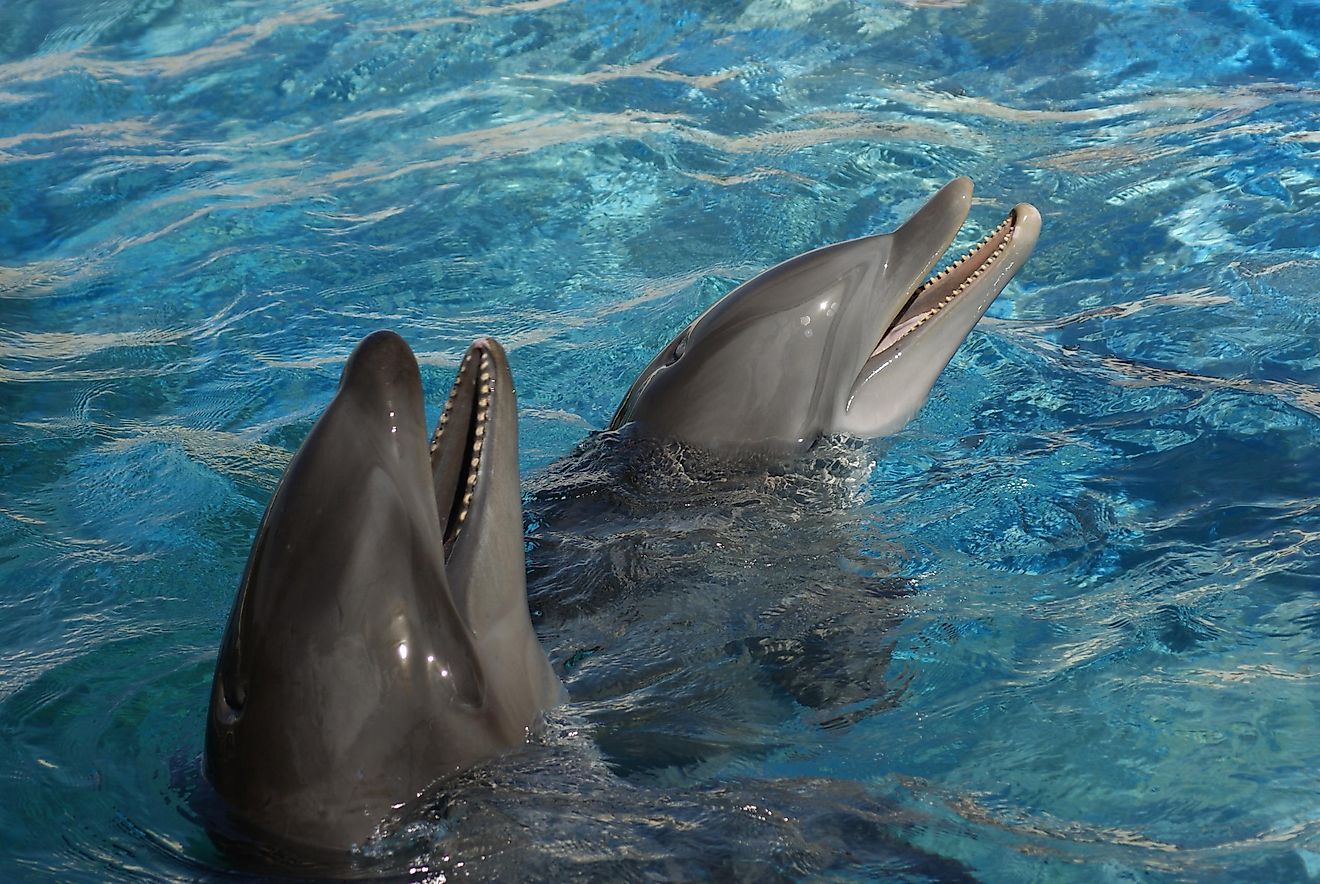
(456, 446)
(952, 283)
(916, 334)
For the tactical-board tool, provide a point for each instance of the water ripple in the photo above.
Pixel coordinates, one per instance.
(1062, 626)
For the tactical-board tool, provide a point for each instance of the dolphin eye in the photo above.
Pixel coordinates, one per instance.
(677, 353)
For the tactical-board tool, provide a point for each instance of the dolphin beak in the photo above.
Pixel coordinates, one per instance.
(978, 277)
(921, 338)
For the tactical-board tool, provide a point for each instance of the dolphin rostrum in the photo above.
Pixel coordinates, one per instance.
(380, 637)
(843, 339)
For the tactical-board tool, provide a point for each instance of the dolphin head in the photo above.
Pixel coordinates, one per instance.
(844, 339)
(358, 664)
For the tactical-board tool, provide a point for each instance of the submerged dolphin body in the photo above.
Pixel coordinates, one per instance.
(844, 339)
(380, 637)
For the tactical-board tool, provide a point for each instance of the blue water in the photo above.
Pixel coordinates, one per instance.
(1063, 628)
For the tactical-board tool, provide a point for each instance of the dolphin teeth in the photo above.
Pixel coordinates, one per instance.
(952, 281)
(448, 410)
(475, 376)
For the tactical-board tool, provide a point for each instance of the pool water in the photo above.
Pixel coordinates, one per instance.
(1063, 627)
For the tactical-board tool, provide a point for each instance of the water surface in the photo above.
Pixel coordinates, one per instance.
(1064, 627)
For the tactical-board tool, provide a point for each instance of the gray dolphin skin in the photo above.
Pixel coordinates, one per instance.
(380, 638)
(844, 339)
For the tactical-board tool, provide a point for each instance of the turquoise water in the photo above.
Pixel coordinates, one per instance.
(1064, 627)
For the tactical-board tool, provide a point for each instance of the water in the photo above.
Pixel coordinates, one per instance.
(1062, 628)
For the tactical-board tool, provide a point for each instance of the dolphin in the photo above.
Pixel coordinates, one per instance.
(380, 637)
(846, 339)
